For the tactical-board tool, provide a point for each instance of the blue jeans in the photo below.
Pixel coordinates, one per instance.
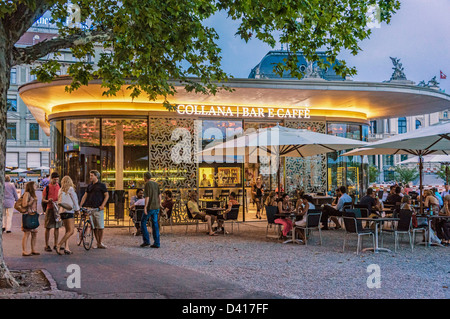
(152, 214)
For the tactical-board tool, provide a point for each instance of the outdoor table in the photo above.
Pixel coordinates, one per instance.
(213, 211)
(377, 221)
(319, 200)
(293, 218)
(430, 219)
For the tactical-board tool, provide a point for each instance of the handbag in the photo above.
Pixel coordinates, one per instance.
(30, 221)
(66, 201)
(18, 206)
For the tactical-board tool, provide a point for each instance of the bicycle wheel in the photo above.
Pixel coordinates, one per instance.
(88, 235)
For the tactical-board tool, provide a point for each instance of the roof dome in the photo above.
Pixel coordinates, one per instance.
(265, 68)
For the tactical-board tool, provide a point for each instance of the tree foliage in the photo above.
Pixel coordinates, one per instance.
(406, 175)
(149, 43)
(373, 173)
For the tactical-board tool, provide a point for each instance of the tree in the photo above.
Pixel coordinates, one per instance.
(444, 173)
(405, 175)
(373, 174)
(150, 42)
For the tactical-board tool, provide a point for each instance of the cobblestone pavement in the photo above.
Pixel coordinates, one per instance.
(241, 265)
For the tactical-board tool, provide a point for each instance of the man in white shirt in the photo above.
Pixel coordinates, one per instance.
(335, 210)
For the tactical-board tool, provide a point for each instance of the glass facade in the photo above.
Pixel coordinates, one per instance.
(122, 149)
(348, 171)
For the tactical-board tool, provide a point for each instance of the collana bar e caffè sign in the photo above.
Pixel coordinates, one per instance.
(243, 111)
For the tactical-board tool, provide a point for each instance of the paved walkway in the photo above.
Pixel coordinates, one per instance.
(111, 273)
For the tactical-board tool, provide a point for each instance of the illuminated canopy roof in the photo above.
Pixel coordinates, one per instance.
(346, 99)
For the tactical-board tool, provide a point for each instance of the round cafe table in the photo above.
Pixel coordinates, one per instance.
(377, 221)
(292, 217)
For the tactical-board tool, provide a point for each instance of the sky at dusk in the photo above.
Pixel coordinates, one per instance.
(418, 34)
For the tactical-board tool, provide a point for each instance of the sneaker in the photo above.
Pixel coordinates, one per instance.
(8, 232)
(145, 245)
(154, 246)
(101, 246)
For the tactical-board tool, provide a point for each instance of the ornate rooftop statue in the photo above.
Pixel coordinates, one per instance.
(398, 70)
(433, 83)
(313, 71)
(422, 84)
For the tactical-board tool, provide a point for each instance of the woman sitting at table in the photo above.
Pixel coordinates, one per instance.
(431, 201)
(303, 206)
(443, 225)
(285, 207)
(232, 201)
(197, 214)
(272, 199)
(406, 203)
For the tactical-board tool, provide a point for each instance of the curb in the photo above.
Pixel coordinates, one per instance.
(51, 281)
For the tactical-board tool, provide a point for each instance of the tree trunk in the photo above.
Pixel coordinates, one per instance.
(6, 279)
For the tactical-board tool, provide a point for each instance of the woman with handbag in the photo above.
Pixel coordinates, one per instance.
(30, 218)
(68, 205)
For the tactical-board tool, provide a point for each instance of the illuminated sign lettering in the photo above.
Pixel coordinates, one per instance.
(257, 112)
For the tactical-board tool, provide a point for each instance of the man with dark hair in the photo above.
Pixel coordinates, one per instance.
(335, 210)
(152, 205)
(370, 201)
(52, 220)
(96, 196)
(396, 197)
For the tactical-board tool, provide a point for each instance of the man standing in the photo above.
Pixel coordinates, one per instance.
(50, 195)
(8, 204)
(152, 204)
(96, 196)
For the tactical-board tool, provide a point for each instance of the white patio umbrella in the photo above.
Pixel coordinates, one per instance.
(43, 168)
(281, 141)
(425, 141)
(19, 170)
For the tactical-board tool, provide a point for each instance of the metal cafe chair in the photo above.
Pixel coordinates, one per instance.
(233, 216)
(312, 223)
(422, 227)
(209, 194)
(404, 226)
(191, 219)
(270, 213)
(353, 226)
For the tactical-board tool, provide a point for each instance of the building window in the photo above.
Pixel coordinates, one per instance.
(33, 160)
(34, 132)
(11, 105)
(403, 158)
(389, 160)
(11, 131)
(402, 125)
(445, 115)
(13, 76)
(418, 124)
(12, 160)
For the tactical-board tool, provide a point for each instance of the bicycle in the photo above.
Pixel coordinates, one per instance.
(85, 232)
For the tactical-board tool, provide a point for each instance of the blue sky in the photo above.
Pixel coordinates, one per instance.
(418, 34)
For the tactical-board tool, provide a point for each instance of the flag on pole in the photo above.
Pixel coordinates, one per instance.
(443, 76)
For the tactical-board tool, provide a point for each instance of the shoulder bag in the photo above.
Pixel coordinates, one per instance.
(18, 206)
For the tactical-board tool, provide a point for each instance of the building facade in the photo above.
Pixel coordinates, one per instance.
(28, 147)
